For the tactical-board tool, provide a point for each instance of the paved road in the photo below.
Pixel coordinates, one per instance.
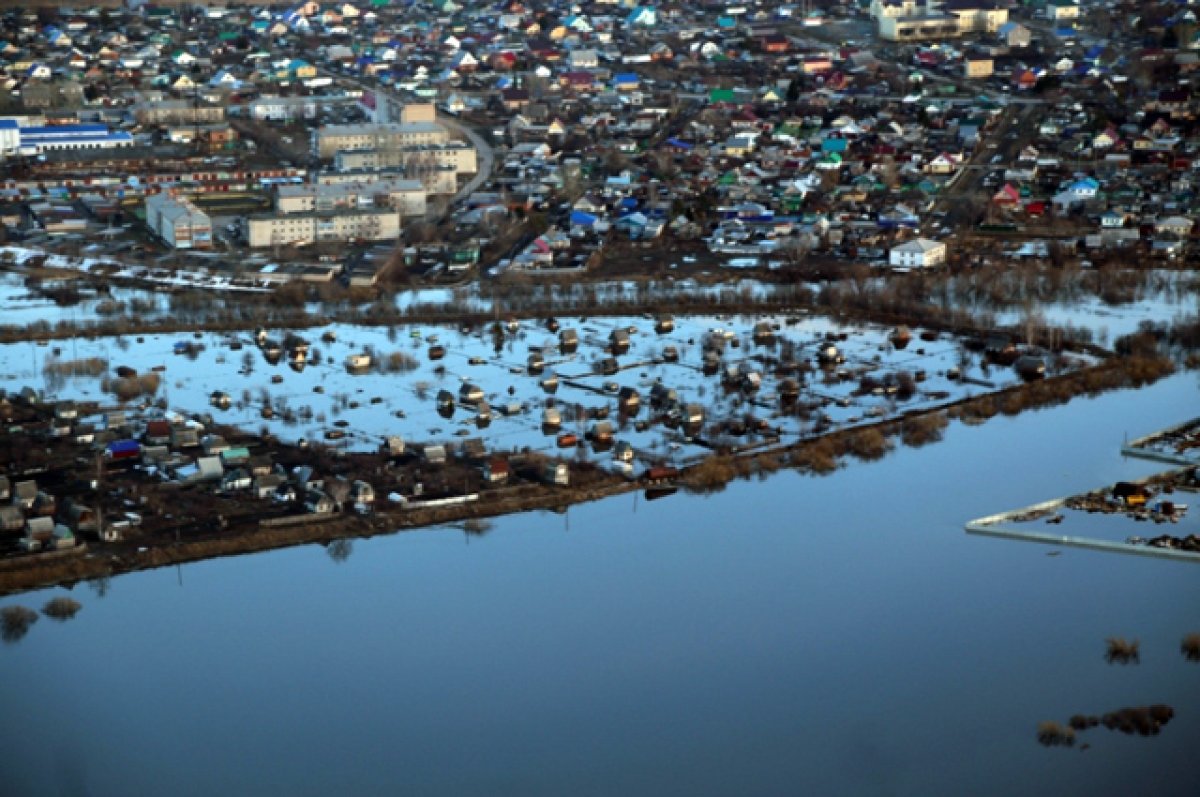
(485, 155)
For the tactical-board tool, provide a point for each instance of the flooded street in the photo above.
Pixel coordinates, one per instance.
(797, 634)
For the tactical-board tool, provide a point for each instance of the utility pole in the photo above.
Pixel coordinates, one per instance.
(99, 495)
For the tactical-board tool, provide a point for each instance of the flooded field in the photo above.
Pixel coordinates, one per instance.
(1138, 517)
(1178, 445)
(833, 635)
(20, 306)
(644, 388)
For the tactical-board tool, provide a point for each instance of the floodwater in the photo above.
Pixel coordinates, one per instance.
(372, 406)
(837, 635)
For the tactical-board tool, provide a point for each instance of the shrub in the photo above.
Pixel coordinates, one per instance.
(1190, 647)
(15, 622)
(130, 388)
(1051, 734)
(61, 608)
(819, 456)
(923, 429)
(712, 474)
(869, 444)
(398, 362)
(1121, 651)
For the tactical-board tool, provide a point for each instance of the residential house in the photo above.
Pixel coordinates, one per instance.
(918, 253)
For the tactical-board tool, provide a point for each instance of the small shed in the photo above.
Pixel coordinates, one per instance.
(236, 480)
(662, 396)
(763, 332)
(473, 449)
(123, 449)
(608, 366)
(618, 340)
(318, 503)
(266, 485)
(79, 516)
(40, 529)
(568, 340)
(496, 470)
(434, 454)
(235, 456)
(629, 400)
(602, 431)
(11, 518)
(209, 469)
(62, 537)
(25, 493)
(557, 473)
(158, 433)
(362, 492)
(183, 436)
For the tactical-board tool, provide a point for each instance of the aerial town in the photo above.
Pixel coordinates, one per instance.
(729, 397)
(284, 272)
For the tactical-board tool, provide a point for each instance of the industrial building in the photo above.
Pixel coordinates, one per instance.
(39, 140)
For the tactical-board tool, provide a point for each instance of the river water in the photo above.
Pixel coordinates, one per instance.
(836, 635)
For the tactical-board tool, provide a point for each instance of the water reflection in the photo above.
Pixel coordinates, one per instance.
(725, 644)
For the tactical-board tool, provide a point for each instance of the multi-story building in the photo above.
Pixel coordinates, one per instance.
(404, 196)
(440, 180)
(178, 222)
(178, 112)
(373, 224)
(918, 253)
(910, 20)
(457, 154)
(334, 138)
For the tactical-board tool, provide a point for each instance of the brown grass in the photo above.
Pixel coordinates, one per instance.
(88, 366)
